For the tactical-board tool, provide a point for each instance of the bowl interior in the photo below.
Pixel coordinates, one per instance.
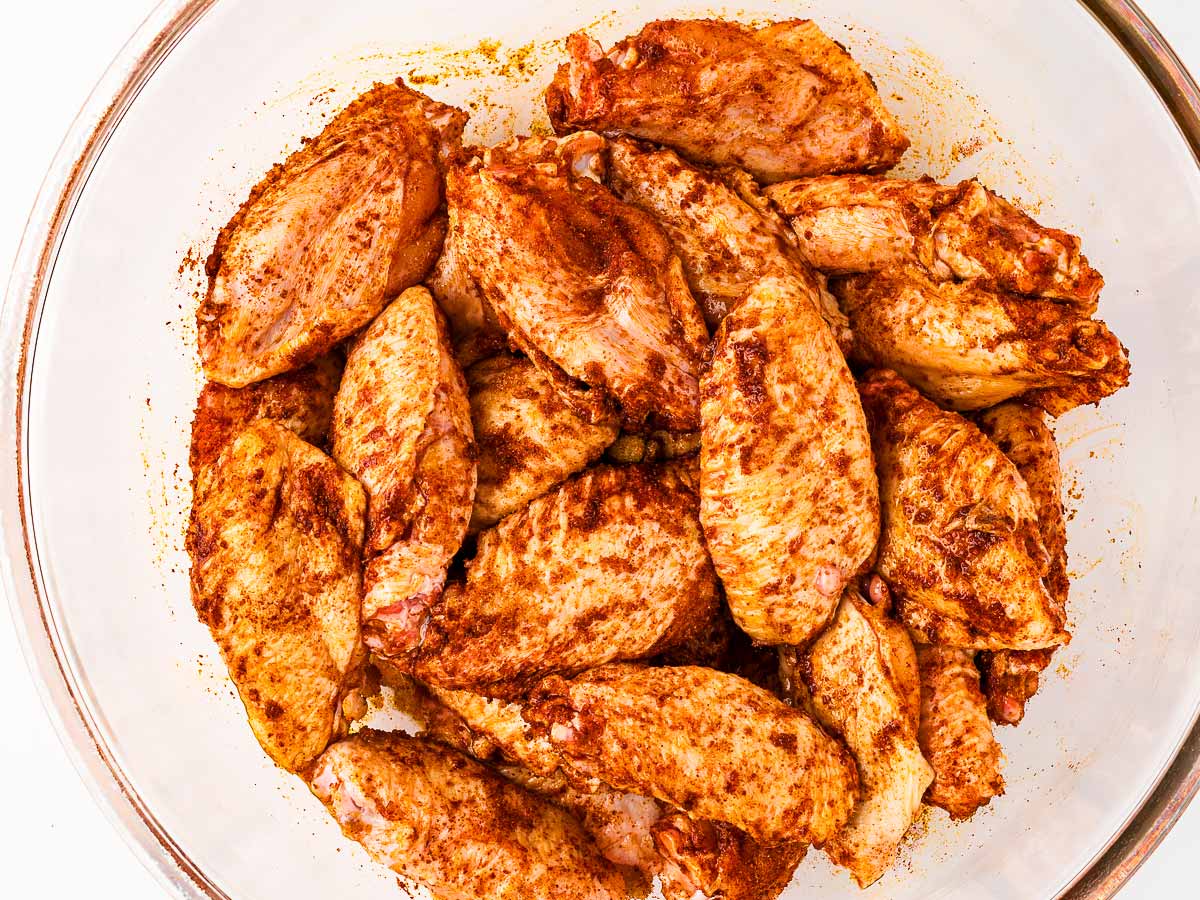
(1054, 116)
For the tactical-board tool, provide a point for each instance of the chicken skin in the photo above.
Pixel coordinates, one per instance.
(585, 285)
(301, 400)
(1010, 677)
(782, 101)
(853, 223)
(721, 226)
(528, 439)
(955, 734)
(402, 426)
(275, 541)
(610, 565)
(708, 743)
(442, 819)
(858, 691)
(960, 546)
(345, 222)
(789, 499)
(968, 348)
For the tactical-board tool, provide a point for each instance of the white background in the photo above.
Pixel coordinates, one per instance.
(54, 841)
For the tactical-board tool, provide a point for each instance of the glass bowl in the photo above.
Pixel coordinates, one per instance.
(1079, 110)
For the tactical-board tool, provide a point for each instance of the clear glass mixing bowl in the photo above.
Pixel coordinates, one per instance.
(1077, 109)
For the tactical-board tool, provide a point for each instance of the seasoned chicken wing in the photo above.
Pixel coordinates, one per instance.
(709, 743)
(721, 226)
(402, 426)
(960, 546)
(1010, 677)
(789, 499)
(858, 691)
(528, 439)
(275, 541)
(301, 400)
(345, 222)
(969, 348)
(585, 285)
(610, 565)
(781, 101)
(855, 223)
(442, 819)
(955, 734)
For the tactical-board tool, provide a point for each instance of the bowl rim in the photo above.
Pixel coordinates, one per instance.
(66, 701)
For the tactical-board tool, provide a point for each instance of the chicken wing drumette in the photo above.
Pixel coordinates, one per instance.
(780, 101)
(708, 743)
(442, 819)
(719, 223)
(789, 498)
(853, 223)
(960, 545)
(275, 541)
(342, 224)
(528, 439)
(955, 734)
(610, 565)
(585, 285)
(861, 675)
(1010, 677)
(402, 425)
(969, 348)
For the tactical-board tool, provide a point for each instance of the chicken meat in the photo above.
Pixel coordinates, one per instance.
(610, 565)
(969, 348)
(585, 285)
(445, 821)
(789, 499)
(348, 220)
(301, 400)
(708, 743)
(275, 541)
(402, 426)
(1010, 677)
(719, 223)
(782, 101)
(528, 439)
(861, 675)
(960, 546)
(854, 223)
(955, 734)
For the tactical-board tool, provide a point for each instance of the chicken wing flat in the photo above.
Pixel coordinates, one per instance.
(969, 348)
(854, 223)
(585, 285)
(960, 546)
(528, 438)
(275, 541)
(955, 734)
(437, 817)
(301, 400)
(781, 101)
(402, 426)
(709, 743)
(859, 693)
(346, 221)
(610, 565)
(1010, 677)
(721, 226)
(789, 502)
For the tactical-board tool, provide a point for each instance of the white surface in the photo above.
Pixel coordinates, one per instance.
(56, 842)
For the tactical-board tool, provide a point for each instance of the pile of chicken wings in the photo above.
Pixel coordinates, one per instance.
(685, 477)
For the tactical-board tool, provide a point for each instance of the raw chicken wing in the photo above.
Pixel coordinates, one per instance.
(780, 101)
(960, 546)
(789, 499)
(345, 222)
